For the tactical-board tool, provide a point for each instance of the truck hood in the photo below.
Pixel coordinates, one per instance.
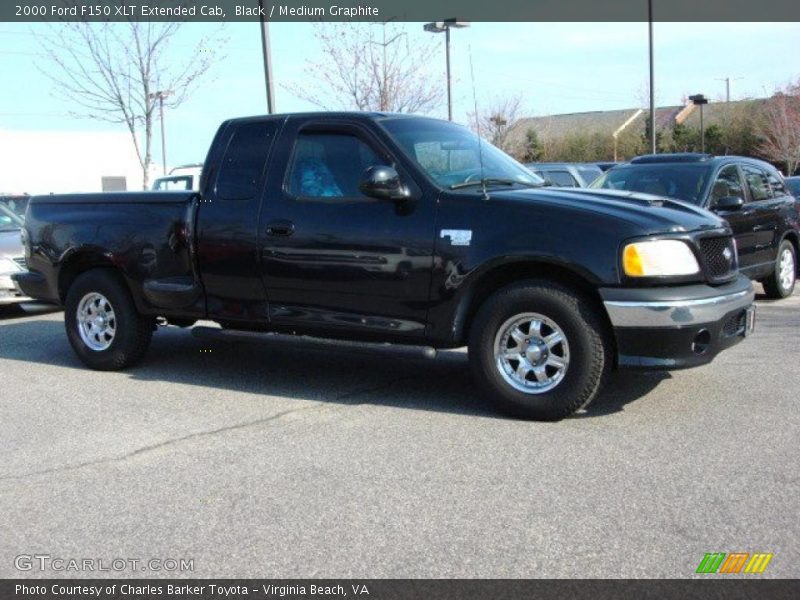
(650, 214)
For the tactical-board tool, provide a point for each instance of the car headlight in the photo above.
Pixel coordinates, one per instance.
(659, 258)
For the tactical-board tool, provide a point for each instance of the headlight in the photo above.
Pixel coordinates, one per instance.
(659, 258)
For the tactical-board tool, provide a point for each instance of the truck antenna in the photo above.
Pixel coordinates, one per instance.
(477, 125)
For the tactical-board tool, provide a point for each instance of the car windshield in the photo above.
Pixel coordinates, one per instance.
(8, 220)
(452, 155)
(684, 182)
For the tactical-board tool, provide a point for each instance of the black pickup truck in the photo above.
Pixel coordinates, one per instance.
(401, 229)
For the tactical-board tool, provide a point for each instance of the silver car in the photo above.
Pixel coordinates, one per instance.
(11, 256)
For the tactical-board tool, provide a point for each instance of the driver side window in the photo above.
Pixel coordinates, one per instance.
(329, 165)
(727, 184)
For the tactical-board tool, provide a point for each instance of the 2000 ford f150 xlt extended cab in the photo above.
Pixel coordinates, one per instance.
(402, 229)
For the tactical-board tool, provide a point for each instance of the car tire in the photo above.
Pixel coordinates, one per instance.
(535, 385)
(780, 284)
(103, 325)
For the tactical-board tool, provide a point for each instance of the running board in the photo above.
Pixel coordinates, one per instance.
(201, 331)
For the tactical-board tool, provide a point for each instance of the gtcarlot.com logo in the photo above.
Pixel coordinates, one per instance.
(735, 562)
(47, 562)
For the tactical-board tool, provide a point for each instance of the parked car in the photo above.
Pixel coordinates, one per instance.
(566, 174)
(793, 183)
(401, 229)
(17, 203)
(749, 194)
(11, 256)
(185, 177)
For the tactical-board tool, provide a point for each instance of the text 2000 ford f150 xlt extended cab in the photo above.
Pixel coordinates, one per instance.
(402, 229)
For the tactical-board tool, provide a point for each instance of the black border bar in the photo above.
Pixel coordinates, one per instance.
(400, 10)
(741, 587)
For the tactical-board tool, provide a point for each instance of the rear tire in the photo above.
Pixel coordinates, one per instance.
(540, 350)
(103, 326)
(780, 284)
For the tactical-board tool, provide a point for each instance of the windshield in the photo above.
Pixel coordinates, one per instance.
(8, 220)
(684, 182)
(451, 155)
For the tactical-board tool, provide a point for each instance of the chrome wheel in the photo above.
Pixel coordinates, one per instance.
(786, 269)
(531, 353)
(97, 323)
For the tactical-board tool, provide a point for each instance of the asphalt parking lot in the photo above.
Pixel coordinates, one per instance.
(268, 458)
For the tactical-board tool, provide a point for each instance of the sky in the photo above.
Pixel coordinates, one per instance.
(553, 67)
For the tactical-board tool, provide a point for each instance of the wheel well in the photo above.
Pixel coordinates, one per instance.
(76, 265)
(505, 275)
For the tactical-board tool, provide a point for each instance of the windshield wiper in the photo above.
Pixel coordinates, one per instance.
(493, 181)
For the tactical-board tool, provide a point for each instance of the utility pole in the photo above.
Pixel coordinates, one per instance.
(267, 52)
(727, 81)
(652, 79)
(160, 95)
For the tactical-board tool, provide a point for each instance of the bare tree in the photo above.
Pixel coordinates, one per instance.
(371, 67)
(780, 128)
(115, 72)
(498, 124)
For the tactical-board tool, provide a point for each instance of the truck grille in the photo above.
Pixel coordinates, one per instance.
(719, 257)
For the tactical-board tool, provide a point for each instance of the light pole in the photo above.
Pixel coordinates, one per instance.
(445, 26)
(267, 52)
(652, 79)
(160, 95)
(700, 100)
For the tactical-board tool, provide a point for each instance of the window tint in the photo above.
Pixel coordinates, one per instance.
(728, 183)
(776, 184)
(758, 183)
(561, 178)
(330, 165)
(244, 160)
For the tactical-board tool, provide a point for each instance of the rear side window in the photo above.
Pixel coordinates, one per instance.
(244, 161)
(757, 182)
(589, 174)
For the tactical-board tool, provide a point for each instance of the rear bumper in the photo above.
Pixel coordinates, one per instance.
(678, 327)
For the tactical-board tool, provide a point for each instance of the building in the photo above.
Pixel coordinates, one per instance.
(45, 162)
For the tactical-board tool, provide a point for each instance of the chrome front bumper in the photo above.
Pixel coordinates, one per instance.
(676, 307)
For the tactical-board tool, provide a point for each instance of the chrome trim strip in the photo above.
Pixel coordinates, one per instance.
(676, 313)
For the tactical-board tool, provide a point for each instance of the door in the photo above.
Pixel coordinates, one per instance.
(333, 258)
(728, 183)
(766, 217)
(227, 223)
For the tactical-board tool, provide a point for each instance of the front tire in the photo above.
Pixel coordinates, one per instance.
(780, 284)
(540, 350)
(103, 326)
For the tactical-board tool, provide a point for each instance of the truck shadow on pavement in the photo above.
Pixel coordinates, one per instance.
(306, 369)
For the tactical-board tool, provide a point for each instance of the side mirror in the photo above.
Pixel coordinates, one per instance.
(383, 183)
(728, 203)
